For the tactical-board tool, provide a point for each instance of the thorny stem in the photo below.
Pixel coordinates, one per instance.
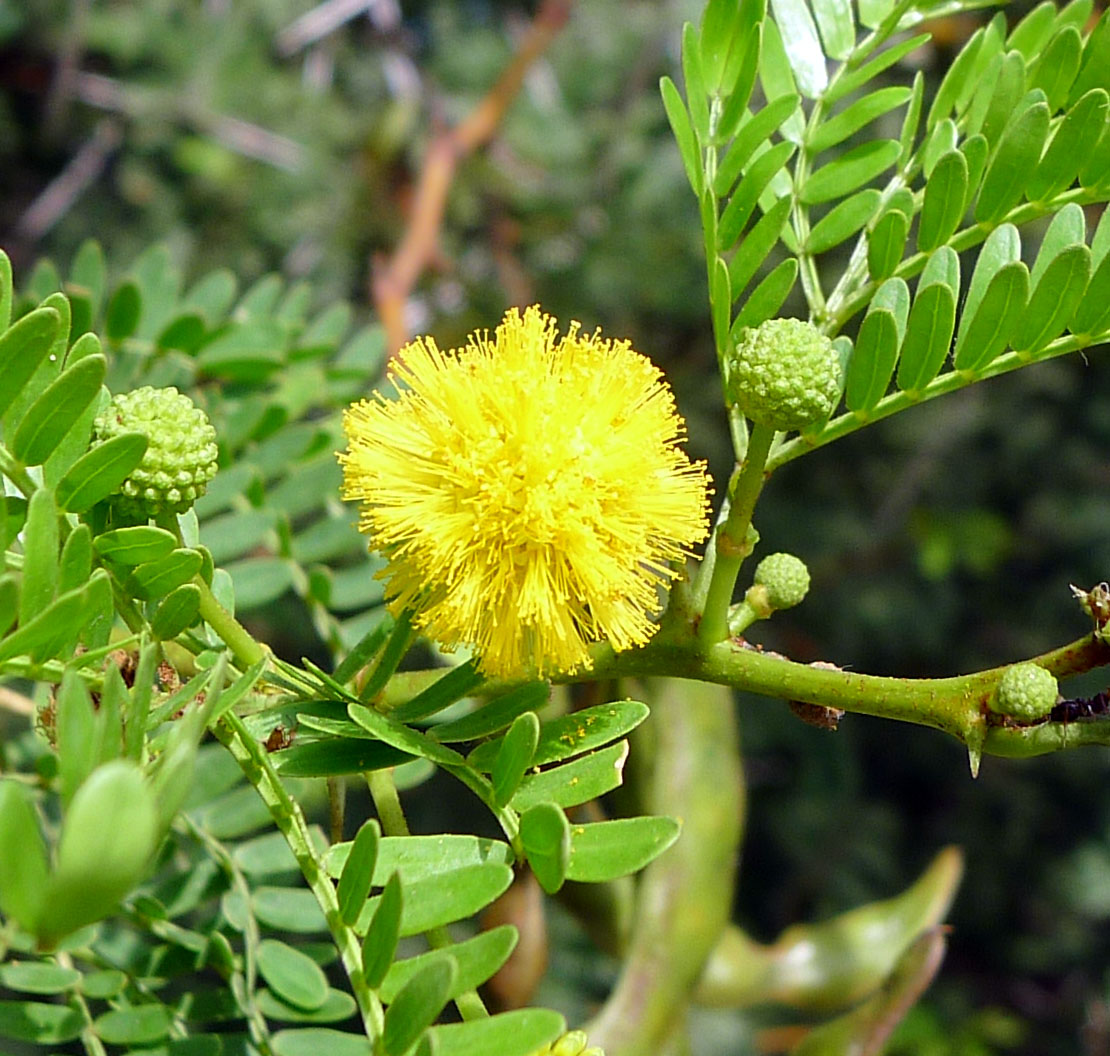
(391, 814)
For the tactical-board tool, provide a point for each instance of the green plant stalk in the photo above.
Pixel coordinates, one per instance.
(730, 538)
(234, 635)
(256, 1021)
(11, 468)
(953, 705)
(391, 814)
(287, 816)
(685, 897)
(939, 386)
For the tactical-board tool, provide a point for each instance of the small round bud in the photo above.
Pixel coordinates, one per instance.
(785, 579)
(180, 457)
(785, 374)
(1025, 691)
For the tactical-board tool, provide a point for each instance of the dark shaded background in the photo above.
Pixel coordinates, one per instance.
(940, 541)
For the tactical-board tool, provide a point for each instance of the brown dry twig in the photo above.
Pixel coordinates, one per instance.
(394, 277)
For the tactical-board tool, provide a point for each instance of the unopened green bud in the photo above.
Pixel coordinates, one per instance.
(1025, 691)
(180, 457)
(573, 1043)
(785, 374)
(784, 578)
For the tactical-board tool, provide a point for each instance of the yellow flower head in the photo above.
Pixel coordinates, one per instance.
(527, 492)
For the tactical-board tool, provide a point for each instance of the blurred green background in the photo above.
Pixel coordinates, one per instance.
(259, 135)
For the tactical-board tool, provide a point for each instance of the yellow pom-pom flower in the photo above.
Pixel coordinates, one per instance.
(527, 492)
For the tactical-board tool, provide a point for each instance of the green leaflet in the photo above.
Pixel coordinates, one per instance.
(292, 975)
(756, 246)
(382, 933)
(975, 151)
(40, 556)
(121, 317)
(578, 781)
(1055, 70)
(751, 134)
(545, 835)
(518, 747)
(768, 297)
(803, 49)
(23, 347)
(1033, 32)
(98, 472)
(851, 170)
(1053, 300)
(1074, 142)
(955, 79)
(777, 77)
(136, 545)
(746, 196)
(1095, 69)
(943, 205)
(605, 850)
(993, 321)
(997, 97)
(1067, 228)
(445, 897)
(912, 119)
(928, 336)
(51, 416)
(683, 133)
(887, 243)
(873, 358)
(154, 579)
(517, 1033)
(837, 25)
(179, 610)
(871, 69)
(417, 857)
(1002, 246)
(23, 866)
(1010, 171)
(357, 875)
(1093, 313)
(477, 959)
(417, 1005)
(843, 221)
(943, 138)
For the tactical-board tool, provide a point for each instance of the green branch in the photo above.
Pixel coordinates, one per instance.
(731, 543)
(939, 386)
(287, 816)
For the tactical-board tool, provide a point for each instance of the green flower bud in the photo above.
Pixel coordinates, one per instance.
(784, 578)
(570, 1044)
(784, 374)
(180, 457)
(1025, 691)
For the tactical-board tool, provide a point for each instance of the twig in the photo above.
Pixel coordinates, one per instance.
(83, 169)
(393, 279)
(15, 702)
(317, 23)
(243, 137)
